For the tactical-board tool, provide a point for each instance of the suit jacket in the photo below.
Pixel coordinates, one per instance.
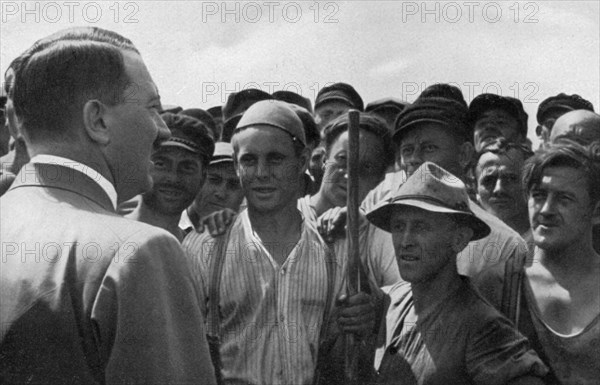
(87, 296)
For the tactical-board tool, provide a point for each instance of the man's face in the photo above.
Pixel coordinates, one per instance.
(317, 158)
(429, 142)
(178, 176)
(371, 170)
(221, 190)
(544, 130)
(425, 243)
(328, 111)
(560, 209)
(493, 124)
(499, 184)
(134, 125)
(268, 168)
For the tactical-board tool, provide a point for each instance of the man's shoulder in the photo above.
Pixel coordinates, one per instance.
(500, 231)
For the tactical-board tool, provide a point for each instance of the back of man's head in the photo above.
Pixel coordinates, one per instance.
(60, 73)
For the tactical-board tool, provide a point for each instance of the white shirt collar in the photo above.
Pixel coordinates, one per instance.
(87, 170)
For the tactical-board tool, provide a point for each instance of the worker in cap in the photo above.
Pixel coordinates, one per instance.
(430, 222)
(179, 171)
(553, 108)
(493, 116)
(271, 242)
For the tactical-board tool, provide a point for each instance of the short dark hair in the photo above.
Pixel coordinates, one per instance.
(367, 122)
(57, 75)
(566, 153)
(501, 146)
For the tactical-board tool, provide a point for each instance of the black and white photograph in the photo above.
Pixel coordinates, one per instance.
(300, 192)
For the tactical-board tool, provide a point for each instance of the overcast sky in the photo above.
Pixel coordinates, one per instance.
(199, 52)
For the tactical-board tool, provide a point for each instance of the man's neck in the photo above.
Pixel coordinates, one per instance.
(428, 294)
(276, 224)
(144, 213)
(577, 259)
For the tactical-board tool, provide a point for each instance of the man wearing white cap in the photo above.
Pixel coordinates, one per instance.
(438, 329)
(267, 286)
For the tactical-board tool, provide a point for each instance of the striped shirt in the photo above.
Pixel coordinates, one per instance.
(271, 314)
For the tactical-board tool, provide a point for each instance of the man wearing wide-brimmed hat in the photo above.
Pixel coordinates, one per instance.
(438, 330)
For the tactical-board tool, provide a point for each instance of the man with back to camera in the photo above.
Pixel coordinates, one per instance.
(86, 295)
(179, 171)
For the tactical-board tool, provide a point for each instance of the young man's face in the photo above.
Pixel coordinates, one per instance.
(270, 172)
(429, 142)
(178, 176)
(221, 190)
(425, 243)
(493, 124)
(560, 208)
(499, 184)
(328, 111)
(371, 169)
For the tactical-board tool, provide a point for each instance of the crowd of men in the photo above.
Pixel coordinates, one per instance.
(153, 245)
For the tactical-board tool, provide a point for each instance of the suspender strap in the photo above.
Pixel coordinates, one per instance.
(511, 291)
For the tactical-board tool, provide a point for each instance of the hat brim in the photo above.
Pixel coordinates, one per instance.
(402, 130)
(168, 143)
(380, 216)
(336, 98)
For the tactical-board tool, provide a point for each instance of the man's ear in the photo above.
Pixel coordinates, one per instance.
(94, 121)
(466, 154)
(462, 236)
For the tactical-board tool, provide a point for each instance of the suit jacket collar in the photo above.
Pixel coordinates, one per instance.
(65, 178)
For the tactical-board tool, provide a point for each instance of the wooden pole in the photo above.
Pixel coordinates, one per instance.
(353, 283)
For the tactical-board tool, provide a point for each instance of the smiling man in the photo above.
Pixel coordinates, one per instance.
(180, 164)
(271, 274)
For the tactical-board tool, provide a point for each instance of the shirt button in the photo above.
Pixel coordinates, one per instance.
(283, 271)
(281, 318)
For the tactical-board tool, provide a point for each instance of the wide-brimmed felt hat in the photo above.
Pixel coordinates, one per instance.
(433, 189)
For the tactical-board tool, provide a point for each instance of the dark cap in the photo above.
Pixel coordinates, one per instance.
(202, 116)
(562, 102)
(293, 98)
(340, 92)
(311, 131)
(229, 127)
(239, 102)
(486, 102)
(276, 114)
(387, 103)
(448, 112)
(444, 90)
(188, 133)
(216, 112)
